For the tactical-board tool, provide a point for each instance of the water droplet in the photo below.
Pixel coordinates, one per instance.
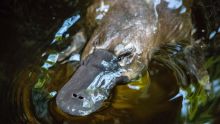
(52, 58)
(75, 57)
(53, 93)
(212, 35)
(174, 4)
(67, 35)
(182, 10)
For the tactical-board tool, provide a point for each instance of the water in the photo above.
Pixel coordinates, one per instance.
(175, 89)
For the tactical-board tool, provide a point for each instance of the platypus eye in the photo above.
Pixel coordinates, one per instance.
(123, 55)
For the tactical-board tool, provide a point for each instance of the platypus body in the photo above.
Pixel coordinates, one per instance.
(120, 48)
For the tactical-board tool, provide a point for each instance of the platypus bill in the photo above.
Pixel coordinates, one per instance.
(119, 49)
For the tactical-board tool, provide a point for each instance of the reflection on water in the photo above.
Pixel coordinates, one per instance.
(66, 25)
(175, 89)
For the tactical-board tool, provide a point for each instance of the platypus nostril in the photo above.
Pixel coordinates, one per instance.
(77, 96)
(74, 95)
(80, 97)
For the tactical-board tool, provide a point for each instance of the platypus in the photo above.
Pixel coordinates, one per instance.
(120, 49)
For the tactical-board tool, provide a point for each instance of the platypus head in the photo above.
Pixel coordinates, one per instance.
(91, 83)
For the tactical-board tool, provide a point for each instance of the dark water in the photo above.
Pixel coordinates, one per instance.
(30, 77)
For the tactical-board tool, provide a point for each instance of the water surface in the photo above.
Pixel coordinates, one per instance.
(169, 92)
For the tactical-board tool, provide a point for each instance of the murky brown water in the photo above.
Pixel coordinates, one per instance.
(30, 76)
